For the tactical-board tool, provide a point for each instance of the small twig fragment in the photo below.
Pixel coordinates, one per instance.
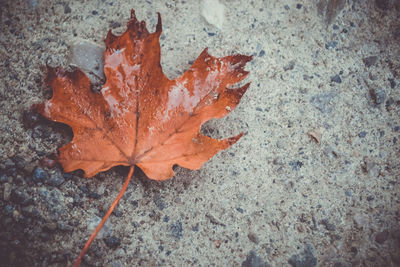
(315, 135)
(213, 220)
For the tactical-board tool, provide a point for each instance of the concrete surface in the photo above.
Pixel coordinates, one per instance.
(315, 180)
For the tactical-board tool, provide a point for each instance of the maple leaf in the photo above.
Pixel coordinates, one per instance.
(140, 117)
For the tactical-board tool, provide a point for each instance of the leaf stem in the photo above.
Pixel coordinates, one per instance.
(103, 221)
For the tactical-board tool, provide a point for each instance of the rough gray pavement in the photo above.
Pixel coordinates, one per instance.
(314, 181)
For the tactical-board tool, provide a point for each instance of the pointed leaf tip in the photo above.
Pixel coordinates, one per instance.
(110, 38)
(133, 15)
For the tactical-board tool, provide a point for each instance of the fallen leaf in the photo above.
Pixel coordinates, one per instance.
(140, 117)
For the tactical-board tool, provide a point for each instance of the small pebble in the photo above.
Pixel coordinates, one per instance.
(378, 95)
(7, 191)
(16, 215)
(68, 176)
(117, 213)
(253, 238)
(289, 66)
(50, 226)
(370, 61)
(381, 237)
(373, 77)
(48, 162)
(371, 168)
(177, 230)
(56, 179)
(115, 25)
(89, 57)
(67, 9)
(360, 220)
(322, 101)
(94, 221)
(253, 260)
(296, 165)
(39, 175)
(213, 12)
(33, 4)
(392, 83)
(19, 197)
(331, 44)
(328, 226)
(396, 33)
(30, 118)
(53, 199)
(159, 202)
(9, 163)
(8, 209)
(305, 258)
(330, 152)
(95, 195)
(134, 203)
(362, 134)
(336, 79)
(389, 104)
(382, 4)
(370, 198)
(112, 242)
(3, 178)
(64, 227)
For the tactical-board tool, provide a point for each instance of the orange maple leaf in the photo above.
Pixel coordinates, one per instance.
(141, 117)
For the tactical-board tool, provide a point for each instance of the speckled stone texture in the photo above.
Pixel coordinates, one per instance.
(314, 181)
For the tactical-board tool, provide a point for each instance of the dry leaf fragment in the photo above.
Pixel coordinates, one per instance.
(141, 117)
(315, 135)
